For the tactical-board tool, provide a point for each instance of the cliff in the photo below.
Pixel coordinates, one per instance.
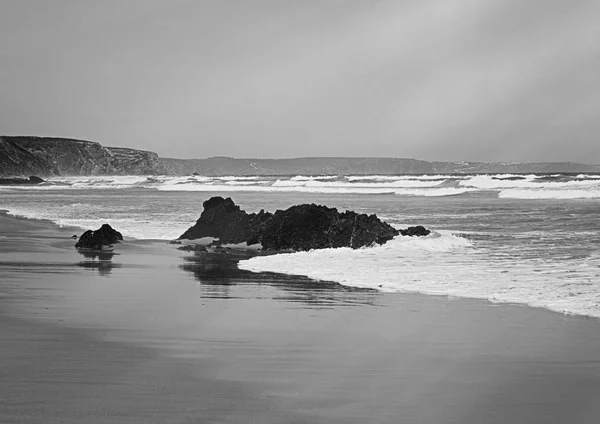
(64, 156)
(47, 156)
(136, 162)
(16, 160)
(219, 166)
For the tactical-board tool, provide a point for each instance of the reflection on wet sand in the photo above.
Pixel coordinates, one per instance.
(218, 272)
(100, 260)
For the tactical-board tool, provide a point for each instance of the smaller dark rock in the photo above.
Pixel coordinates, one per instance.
(417, 231)
(515, 178)
(104, 236)
(174, 242)
(193, 248)
(74, 236)
(21, 181)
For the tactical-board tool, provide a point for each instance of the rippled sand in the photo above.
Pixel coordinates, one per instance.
(154, 335)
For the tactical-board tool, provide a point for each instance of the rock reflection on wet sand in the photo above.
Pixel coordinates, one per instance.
(99, 260)
(217, 272)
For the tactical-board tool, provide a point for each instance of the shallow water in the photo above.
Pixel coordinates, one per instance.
(542, 252)
(150, 334)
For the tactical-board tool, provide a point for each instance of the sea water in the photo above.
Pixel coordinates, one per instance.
(529, 239)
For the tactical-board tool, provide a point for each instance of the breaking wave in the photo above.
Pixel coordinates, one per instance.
(448, 265)
(532, 186)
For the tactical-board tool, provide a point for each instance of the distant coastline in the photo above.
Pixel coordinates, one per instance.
(51, 156)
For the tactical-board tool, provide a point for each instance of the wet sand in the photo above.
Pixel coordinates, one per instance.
(150, 334)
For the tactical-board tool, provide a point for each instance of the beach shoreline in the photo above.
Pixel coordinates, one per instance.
(152, 334)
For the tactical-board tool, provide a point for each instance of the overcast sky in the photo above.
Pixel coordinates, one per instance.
(489, 80)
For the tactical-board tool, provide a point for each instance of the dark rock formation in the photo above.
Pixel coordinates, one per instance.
(302, 227)
(418, 231)
(224, 220)
(33, 180)
(514, 178)
(104, 236)
(64, 156)
(193, 248)
(306, 227)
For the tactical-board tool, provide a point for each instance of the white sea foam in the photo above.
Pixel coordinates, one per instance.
(345, 184)
(401, 177)
(505, 181)
(549, 194)
(304, 178)
(91, 217)
(438, 264)
(506, 185)
(443, 264)
(234, 178)
(262, 188)
(434, 192)
(246, 183)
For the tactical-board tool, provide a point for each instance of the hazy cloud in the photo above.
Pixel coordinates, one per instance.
(448, 79)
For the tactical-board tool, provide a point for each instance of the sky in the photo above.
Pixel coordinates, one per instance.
(478, 80)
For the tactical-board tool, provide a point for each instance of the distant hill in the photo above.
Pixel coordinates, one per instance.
(47, 156)
(360, 166)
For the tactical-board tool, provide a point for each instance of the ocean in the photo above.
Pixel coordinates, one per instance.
(525, 239)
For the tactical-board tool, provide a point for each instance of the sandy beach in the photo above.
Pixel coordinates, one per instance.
(150, 334)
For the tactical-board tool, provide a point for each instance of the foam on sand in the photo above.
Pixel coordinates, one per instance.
(445, 264)
(549, 194)
(87, 217)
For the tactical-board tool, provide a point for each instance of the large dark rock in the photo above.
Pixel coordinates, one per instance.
(224, 220)
(306, 227)
(417, 231)
(104, 236)
(33, 180)
(301, 227)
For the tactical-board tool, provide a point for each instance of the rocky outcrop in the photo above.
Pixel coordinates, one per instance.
(103, 237)
(63, 156)
(135, 162)
(16, 160)
(301, 227)
(33, 180)
(418, 231)
(224, 220)
(306, 227)
(193, 248)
